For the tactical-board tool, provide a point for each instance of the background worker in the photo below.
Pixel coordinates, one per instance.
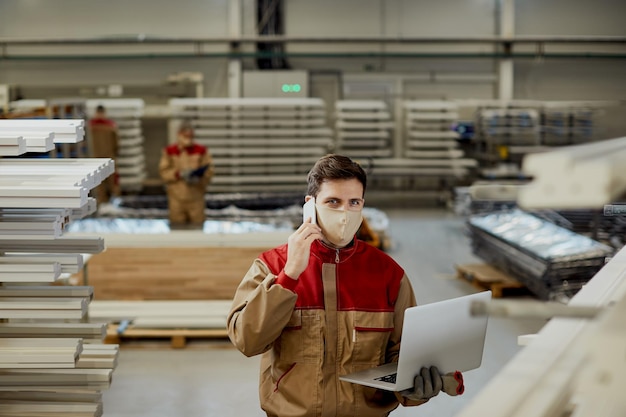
(105, 144)
(326, 304)
(186, 168)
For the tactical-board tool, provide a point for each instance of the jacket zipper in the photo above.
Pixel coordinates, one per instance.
(336, 256)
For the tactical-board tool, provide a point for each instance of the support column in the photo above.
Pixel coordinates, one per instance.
(234, 64)
(505, 65)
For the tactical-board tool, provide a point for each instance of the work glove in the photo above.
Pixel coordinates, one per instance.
(188, 176)
(429, 382)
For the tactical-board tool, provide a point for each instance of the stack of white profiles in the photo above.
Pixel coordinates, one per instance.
(52, 361)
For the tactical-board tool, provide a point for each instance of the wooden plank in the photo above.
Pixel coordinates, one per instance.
(171, 273)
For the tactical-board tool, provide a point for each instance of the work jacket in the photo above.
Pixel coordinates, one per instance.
(343, 314)
(174, 160)
(104, 138)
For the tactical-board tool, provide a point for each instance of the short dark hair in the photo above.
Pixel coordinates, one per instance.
(100, 108)
(185, 124)
(334, 167)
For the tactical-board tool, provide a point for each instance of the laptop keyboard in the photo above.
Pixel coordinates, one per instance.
(388, 378)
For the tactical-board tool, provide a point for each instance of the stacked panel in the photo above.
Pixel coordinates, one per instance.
(430, 145)
(52, 362)
(268, 144)
(363, 129)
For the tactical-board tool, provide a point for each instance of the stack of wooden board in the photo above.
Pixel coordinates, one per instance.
(257, 143)
(168, 273)
(53, 362)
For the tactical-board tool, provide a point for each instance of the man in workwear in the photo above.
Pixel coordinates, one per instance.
(186, 168)
(104, 144)
(324, 305)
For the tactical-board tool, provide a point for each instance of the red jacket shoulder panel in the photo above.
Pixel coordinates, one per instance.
(172, 149)
(367, 280)
(101, 122)
(196, 149)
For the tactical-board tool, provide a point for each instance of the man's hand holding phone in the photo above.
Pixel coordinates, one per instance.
(308, 211)
(299, 243)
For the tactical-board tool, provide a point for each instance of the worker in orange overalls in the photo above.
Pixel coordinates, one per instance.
(186, 168)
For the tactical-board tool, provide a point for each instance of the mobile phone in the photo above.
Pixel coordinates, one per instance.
(308, 210)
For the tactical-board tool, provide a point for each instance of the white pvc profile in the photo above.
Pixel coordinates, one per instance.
(17, 273)
(581, 176)
(69, 263)
(64, 244)
(65, 130)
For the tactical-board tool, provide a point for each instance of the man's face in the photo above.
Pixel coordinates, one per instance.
(341, 195)
(338, 205)
(185, 137)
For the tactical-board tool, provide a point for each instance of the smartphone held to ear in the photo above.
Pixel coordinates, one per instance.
(308, 211)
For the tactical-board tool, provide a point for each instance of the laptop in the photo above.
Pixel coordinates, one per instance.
(443, 334)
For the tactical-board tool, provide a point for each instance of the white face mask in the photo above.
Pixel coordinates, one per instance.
(338, 226)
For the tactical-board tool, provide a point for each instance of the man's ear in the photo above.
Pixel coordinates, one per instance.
(307, 198)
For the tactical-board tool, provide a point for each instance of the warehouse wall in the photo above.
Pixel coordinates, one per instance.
(549, 79)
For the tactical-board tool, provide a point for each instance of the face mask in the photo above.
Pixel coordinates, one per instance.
(338, 226)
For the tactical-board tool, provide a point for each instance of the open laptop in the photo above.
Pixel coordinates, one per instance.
(443, 334)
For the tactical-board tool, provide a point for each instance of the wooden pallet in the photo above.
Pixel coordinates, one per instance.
(486, 277)
(178, 337)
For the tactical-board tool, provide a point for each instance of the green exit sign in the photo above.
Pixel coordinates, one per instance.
(291, 88)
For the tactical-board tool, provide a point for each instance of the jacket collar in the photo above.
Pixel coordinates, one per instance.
(329, 255)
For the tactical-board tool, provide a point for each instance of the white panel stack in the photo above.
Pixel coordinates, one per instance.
(581, 176)
(130, 161)
(51, 362)
(430, 146)
(257, 143)
(40, 135)
(363, 129)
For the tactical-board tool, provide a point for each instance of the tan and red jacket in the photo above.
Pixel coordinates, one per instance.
(175, 159)
(104, 138)
(343, 314)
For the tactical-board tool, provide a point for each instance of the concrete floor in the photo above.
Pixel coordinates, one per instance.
(213, 379)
